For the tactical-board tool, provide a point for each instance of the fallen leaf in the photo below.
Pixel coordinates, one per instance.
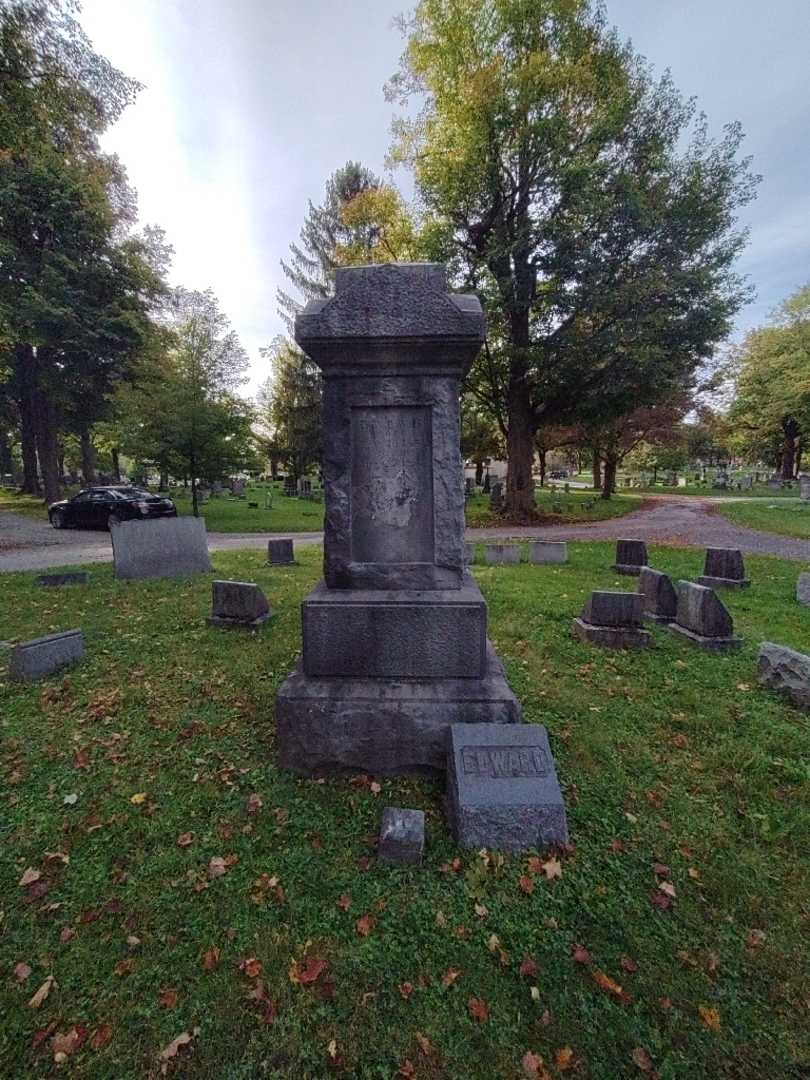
(375, 788)
(481, 911)
(21, 971)
(564, 1058)
(668, 888)
(254, 803)
(216, 867)
(365, 924)
(478, 1009)
(101, 1036)
(42, 993)
(138, 799)
(533, 1066)
(29, 877)
(168, 999)
(169, 1052)
(309, 973)
(534, 991)
(628, 965)
(450, 976)
(604, 982)
(211, 958)
(693, 873)
(642, 1059)
(184, 839)
(754, 939)
(425, 1045)
(710, 1017)
(65, 1044)
(660, 900)
(67, 933)
(406, 1069)
(345, 902)
(405, 989)
(552, 868)
(527, 885)
(251, 967)
(581, 955)
(70, 800)
(125, 967)
(528, 967)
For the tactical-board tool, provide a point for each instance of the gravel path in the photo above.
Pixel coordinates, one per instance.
(27, 544)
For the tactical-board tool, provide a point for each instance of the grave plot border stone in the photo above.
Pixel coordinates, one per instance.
(33, 660)
(543, 552)
(402, 836)
(55, 581)
(501, 554)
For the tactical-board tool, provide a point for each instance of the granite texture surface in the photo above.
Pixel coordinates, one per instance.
(32, 660)
(169, 547)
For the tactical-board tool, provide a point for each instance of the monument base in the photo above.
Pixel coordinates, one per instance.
(382, 726)
(611, 637)
(723, 582)
(708, 644)
(628, 569)
(237, 624)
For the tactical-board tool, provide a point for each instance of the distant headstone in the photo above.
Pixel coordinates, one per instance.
(613, 620)
(631, 555)
(169, 547)
(238, 604)
(803, 589)
(775, 483)
(35, 659)
(53, 581)
(486, 488)
(280, 552)
(682, 481)
(402, 836)
(469, 554)
(660, 598)
(502, 789)
(496, 496)
(703, 620)
(724, 569)
(746, 483)
(289, 487)
(548, 551)
(786, 671)
(237, 487)
(804, 487)
(469, 485)
(720, 483)
(501, 554)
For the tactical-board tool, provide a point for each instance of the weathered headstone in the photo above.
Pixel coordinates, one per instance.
(786, 671)
(469, 485)
(724, 569)
(803, 589)
(746, 483)
(238, 604)
(613, 620)
(703, 619)
(660, 598)
(631, 555)
(402, 836)
(170, 547)
(496, 496)
(382, 676)
(502, 789)
(548, 551)
(237, 487)
(55, 581)
(280, 552)
(35, 659)
(775, 483)
(501, 554)
(804, 487)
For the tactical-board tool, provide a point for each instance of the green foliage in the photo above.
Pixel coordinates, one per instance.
(289, 406)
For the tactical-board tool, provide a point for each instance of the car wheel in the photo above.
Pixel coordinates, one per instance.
(113, 519)
(57, 519)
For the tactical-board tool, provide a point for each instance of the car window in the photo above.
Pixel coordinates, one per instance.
(83, 496)
(100, 496)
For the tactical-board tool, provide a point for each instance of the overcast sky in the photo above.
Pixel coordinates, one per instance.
(249, 105)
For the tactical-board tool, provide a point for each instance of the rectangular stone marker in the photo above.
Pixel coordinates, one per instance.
(547, 551)
(631, 555)
(803, 589)
(703, 620)
(238, 604)
(660, 598)
(394, 642)
(402, 836)
(171, 547)
(786, 671)
(613, 620)
(35, 659)
(501, 554)
(502, 789)
(54, 581)
(804, 487)
(280, 553)
(724, 569)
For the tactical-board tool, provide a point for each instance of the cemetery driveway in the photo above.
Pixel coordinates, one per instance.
(28, 544)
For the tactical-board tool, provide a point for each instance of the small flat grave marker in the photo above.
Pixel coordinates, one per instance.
(238, 604)
(803, 589)
(54, 581)
(402, 836)
(502, 554)
(502, 788)
(40, 657)
(548, 551)
(280, 553)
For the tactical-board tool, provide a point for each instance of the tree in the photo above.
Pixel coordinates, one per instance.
(183, 413)
(290, 406)
(771, 406)
(582, 199)
(654, 425)
(480, 438)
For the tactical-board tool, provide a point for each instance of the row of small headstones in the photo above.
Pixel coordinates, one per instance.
(692, 610)
(540, 551)
(237, 604)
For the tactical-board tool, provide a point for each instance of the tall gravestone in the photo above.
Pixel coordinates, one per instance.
(394, 639)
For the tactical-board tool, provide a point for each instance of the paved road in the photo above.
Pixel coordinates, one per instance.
(27, 544)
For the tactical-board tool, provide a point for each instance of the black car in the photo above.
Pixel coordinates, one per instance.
(101, 507)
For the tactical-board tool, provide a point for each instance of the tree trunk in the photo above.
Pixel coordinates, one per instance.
(791, 431)
(542, 456)
(479, 473)
(164, 480)
(194, 508)
(5, 454)
(116, 464)
(47, 444)
(519, 452)
(597, 470)
(25, 379)
(88, 457)
(609, 476)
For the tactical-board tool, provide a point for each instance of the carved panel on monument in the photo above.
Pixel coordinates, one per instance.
(392, 484)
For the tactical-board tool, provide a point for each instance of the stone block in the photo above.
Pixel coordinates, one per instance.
(548, 551)
(238, 604)
(660, 598)
(169, 547)
(785, 671)
(280, 552)
(502, 789)
(631, 555)
(703, 620)
(611, 637)
(55, 581)
(724, 569)
(803, 589)
(35, 659)
(386, 727)
(603, 608)
(501, 554)
(804, 487)
(402, 836)
(395, 634)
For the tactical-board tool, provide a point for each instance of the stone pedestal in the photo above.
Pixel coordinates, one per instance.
(394, 640)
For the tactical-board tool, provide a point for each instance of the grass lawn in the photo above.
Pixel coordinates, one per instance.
(294, 954)
(559, 508)
(28, 505)
(788, 517)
